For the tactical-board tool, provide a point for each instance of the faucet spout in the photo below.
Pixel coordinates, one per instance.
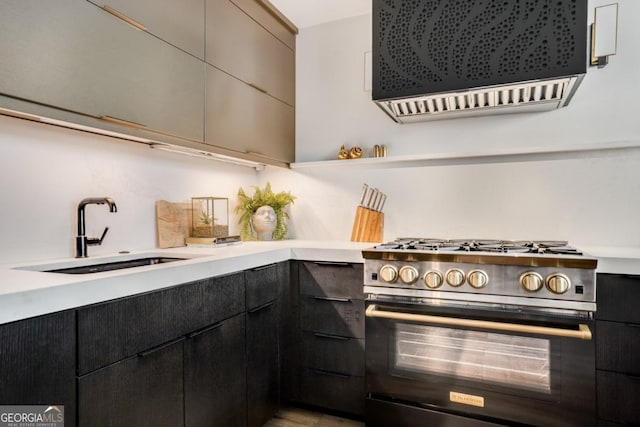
(81, 239)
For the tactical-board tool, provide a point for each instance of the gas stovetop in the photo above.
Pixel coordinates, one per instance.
(524, 272)
(557, 247)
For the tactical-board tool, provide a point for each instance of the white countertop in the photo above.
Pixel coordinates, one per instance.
(26, 292)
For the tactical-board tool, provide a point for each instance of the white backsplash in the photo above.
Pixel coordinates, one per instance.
(47, 170)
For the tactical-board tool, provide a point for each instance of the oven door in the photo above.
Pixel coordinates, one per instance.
(501, 366)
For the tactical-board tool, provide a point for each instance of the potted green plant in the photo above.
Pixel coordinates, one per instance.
(263, 216)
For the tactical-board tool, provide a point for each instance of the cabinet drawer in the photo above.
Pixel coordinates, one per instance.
(618, 347)
(337, 316)
(333, 353)
(618, 397)
(145, 390)
(618, 298)
(334, 391)
(261, 285)
(331, 279)
(112, 331)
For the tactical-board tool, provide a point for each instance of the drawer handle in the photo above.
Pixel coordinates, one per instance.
(333, 337)
(204, 330)
(331, 374)
(122, 122)
(121, 16)
(333, 299)
(160, 347)
(633, 377)
(261, 307)
(332, 264)
(633, 325)
(256, 87)
(263, 267)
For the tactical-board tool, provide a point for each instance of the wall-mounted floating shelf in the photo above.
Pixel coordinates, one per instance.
(472, 157)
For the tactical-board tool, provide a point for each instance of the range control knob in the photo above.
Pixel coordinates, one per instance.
(455, 277)
(531, 281)
(477, 278)
(409, 274)
(558, 283)
(389, 273)
(432, 279)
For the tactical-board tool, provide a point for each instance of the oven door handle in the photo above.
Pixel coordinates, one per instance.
(583, 332)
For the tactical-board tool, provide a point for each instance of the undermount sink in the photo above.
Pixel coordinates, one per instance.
(108, 263)
(117, 265)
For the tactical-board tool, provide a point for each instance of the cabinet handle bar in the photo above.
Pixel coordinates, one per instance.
(135, 24)
(204, 330)
(261, 307)
(160, 347)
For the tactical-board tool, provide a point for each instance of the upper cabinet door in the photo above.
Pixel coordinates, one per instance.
(75, 56)
(180, 23)
(241, 47)
(244, 119)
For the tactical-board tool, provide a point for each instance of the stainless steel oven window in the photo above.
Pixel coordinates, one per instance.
(510, 360)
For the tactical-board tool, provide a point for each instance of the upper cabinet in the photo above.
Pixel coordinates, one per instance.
(180, 23)
(265, 62)
(138, 68)
(241, 118)
(76, 57)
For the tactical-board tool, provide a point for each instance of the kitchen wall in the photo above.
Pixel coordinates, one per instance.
(588, 198)
(47, 170)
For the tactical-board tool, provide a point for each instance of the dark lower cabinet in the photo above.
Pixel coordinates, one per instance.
(331, 336)
(618, 350)
(38, 362)
(143, 390)
(262, 363)
(214, 375)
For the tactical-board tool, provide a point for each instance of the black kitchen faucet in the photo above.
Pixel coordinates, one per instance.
(82, 241)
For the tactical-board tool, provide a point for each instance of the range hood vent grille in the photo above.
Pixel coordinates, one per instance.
(542, 94)
(440, 59)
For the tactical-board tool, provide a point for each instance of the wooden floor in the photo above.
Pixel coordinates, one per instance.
(297, 417)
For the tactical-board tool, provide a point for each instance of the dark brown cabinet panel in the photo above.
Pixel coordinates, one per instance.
(330, 315)
(333, 353)
(331, 368)
(618, 350)
(112, 331)
(261, 285)
(618, 298)
(37, 363)
(262, 363)
(143, 390)
(338, 392)
(618, 347)
(618, 397)
(215, 376)
(332, 279)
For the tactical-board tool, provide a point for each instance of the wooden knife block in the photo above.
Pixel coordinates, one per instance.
(368, 225)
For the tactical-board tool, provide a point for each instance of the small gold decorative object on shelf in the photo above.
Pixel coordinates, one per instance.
(355, 153)
(209, 217)
(342, 154)
(379, 151)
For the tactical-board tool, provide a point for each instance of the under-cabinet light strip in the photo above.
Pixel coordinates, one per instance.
(208, 156)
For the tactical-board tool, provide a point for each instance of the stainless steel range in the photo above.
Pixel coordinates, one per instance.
(479, 332)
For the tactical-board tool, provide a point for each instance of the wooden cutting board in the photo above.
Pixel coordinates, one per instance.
(173, 222)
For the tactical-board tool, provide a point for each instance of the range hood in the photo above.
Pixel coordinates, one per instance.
(437, 59)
